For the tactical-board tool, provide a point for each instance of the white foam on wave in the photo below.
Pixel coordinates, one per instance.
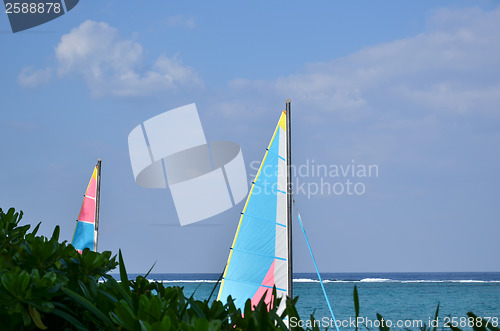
(305, 280)
(308, 280)
(376, 280)
(426, 281)
(451, 281)
(475, 281)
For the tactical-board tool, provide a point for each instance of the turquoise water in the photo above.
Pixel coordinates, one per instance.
(411, 303)
(403, 299)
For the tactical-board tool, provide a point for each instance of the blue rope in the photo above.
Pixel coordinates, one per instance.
(317, 271)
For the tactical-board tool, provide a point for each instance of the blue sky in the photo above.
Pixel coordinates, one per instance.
(411, 87)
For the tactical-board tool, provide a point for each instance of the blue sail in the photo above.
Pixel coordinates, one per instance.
(258, 259)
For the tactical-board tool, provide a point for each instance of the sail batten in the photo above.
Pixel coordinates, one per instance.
(258, 259)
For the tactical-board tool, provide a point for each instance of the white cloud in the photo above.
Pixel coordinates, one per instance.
(29, 77)
(415, 102)
(96, 46)
(181, 21)
(111, 65)
(452, 67)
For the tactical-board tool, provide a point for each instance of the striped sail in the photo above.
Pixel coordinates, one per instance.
(85, 233)
(258, 259)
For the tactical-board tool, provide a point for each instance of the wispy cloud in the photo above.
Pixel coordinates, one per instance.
(111, 65)
(451, 67)
(409, 102)
(180, 21)
(30, 77)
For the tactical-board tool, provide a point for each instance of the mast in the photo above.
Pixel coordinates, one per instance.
(97, 202)
(289, 195)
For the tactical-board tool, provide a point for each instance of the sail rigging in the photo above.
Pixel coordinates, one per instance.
(87, 224)
(259, 257)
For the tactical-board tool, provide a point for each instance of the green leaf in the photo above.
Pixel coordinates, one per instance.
(454, 328)
(215, 325)
(278, 320)
(383, 325)
(123, 274)
(37, 319)
(476, 319)
(113, 284)
(159, 326)
(69, 318)
(201, 325)
(84, 289)
(89, 306)
(167, 322)
(35, 230)
(356, 305)
(150, 269)
(24, 279)
(125, 316)
(194, 305)
(55, 234)
(26, 317)
(145, 326)
(436, 316)
(215, 286)
(492, 328)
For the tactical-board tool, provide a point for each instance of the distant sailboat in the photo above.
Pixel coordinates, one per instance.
(87, 225)
(261, 255)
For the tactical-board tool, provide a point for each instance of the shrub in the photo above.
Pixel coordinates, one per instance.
(45, 284)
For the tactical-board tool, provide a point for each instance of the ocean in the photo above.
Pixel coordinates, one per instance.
(405, 300)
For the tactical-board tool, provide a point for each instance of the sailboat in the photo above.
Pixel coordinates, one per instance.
(261, 254)
(260, 257)
(87, 224)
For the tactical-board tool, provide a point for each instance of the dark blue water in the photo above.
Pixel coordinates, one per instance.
(403, 299)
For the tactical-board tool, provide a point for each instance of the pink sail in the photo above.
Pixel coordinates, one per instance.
(266, 288)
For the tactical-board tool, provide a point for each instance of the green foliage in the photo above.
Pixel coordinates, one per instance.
(45, 284)
(34, 273)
